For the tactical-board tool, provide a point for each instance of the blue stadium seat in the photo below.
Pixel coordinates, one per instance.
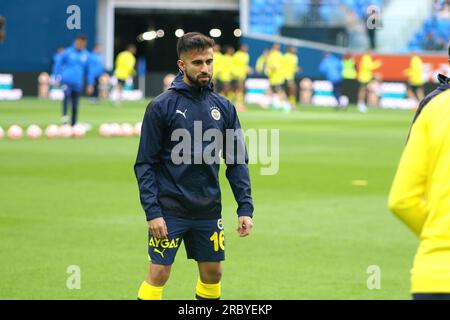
(326, 12)
(443, 26)
(438, 27)
(349, 3)
(270, 13)
(429, 25)
(279, 21)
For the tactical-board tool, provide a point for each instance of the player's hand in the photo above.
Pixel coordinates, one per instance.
(158, 228)
(89, 90)
(245, 224)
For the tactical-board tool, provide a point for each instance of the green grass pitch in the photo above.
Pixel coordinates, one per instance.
(75, 202)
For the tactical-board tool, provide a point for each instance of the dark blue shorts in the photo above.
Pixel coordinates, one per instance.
(431, 296)
(276, 87)
(204, 241)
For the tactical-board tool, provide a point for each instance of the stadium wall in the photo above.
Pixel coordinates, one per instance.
(35, 29)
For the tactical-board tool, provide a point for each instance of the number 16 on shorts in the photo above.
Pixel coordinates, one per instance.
(218, 240)
(218, 237)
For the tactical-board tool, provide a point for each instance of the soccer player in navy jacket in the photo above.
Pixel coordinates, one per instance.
(182, 199)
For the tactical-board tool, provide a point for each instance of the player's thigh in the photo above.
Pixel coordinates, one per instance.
(276, 88)
(292, 85)
(363, 86)
(205, 241)
(163, 251)
(67, 90)
(240, 82)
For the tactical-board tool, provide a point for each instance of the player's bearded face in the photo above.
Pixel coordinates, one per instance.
(198, 67)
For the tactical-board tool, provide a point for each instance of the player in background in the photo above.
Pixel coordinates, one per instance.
(218, 67)
(70, 71)
(226, 73)
(420, 193)
(276, 75)
(96, 68)
(240, 70)
(415, 78)
(365, 74)
(331, 68)
(349, 67)
(124, 68)
(291, 67)
(56, 60)
(261, 63)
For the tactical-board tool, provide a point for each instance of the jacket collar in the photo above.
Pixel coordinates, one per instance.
(179, 85)
(443, 79)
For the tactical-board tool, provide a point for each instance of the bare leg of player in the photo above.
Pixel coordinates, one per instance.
(420, 94)
(292, 87)
(362, 99)
(208, 283)
(158, 274)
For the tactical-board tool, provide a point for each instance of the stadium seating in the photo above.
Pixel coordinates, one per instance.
(436, 28)
(267, 16)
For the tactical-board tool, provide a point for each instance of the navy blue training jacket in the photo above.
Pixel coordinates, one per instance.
(187, 190)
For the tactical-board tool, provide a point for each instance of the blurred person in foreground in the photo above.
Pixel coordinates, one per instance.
(420, 193)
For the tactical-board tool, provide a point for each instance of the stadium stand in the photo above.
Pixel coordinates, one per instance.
(267, 16)
(434, 34)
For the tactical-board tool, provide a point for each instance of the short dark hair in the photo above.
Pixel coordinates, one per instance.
(193, 41)
(81, 37)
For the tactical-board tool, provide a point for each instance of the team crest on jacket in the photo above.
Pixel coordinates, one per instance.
(215, 113)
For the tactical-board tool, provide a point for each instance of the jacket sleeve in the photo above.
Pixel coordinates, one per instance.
(406, 199)
(147, 160)
(236, 160)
